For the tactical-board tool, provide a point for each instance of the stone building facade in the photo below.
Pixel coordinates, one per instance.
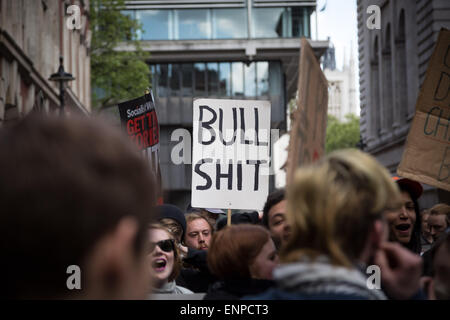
(393, 61)
(33, 35)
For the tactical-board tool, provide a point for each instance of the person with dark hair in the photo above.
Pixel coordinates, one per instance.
(76, 195)
(165, 261)
(243, 257)
(274, 217)
(239, 218)
(405, 224)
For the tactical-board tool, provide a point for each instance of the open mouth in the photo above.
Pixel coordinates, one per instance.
(403, 228)
(159, 264)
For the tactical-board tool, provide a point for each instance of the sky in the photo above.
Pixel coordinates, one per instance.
(339, 22)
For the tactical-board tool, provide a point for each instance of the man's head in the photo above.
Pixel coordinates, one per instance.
(439, 220)
(274, 217)
(335, 208)
(198, 232)
(73, 192)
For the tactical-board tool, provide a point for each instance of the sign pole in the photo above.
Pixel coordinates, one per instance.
(229, 217)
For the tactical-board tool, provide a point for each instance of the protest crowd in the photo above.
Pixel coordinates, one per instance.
(75, 192)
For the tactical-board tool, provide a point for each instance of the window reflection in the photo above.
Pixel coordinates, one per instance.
(162, 72)
(193, 24)
(237, 79)
(250, 80)
(266, 22)
(187, 73)
(174, 79)
(199, 76)
(213, 78)
(262, 81)
(229, 24)
(155, 24)
(220, 79)
(225, 78)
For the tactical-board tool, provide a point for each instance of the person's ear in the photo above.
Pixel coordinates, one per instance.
(113, 261)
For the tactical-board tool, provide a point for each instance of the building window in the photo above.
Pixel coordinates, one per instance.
(262, 78)
(186, 76)
(250, 80)
(155, 24)
(199, 78)
(375, 91)
(213, 78)
(401, 74)
(388, 101)
(229, 24)
(219, 79)
(225, 78)
(281, 22)
(237, 79)
(193, 24)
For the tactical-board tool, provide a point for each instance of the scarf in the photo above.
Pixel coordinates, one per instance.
(322, 278)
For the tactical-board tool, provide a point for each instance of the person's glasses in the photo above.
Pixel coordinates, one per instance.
(165, 245)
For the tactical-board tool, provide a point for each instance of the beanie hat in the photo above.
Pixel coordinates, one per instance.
(172, 212)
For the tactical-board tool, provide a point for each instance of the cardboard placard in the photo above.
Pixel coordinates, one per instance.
(230, 158)
(308, 130)
(427, 151)
(139, 119)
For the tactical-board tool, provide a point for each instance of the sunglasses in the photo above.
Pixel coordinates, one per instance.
(165, 245)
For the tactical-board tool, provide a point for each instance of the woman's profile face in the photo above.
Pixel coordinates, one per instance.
(161, 255)
(264, 263)
(401, 222)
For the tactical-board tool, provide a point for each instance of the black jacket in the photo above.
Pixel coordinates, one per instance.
(235, 289)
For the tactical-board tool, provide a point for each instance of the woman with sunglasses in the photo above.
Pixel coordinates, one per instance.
(165, 263)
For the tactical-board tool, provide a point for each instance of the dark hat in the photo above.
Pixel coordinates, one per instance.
(413, 187)
(172, 212)
(239, 218)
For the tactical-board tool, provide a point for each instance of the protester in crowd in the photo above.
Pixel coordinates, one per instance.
(76, 202)
(211, 214)
(243, 256)
(439, 220)
(426, 240)
(274, 217)
(335, 209)
(198, 232)
(437, 284)
(165, 262)
(405, 223)
(252, 217)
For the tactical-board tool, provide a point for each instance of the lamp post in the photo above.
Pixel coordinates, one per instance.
(62, 77)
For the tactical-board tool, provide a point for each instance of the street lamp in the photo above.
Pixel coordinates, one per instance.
(62, 77)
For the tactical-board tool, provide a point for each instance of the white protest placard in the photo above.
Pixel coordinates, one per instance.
(230, 158)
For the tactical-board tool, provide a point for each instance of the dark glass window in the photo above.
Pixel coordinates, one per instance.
(174, 79)
(187, 71)
(213, 78)
(162, 74)
(267, 22)
(155, 24)
(225, 78)
(199, 76)
(229, 24)
(237, 79)
(193, 24)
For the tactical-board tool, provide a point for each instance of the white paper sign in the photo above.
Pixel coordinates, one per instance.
(230, 158)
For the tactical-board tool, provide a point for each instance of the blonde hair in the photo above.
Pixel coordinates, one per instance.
(333, 204)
